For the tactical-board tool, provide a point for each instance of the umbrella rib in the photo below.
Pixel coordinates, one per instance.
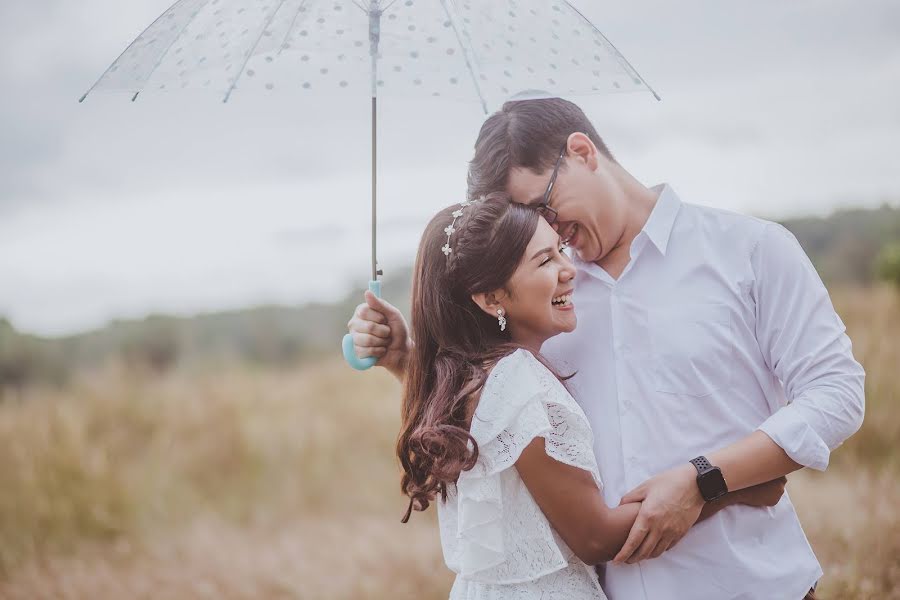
(250, 51)
(465, 56)
(134, 41)
(291, 28)
(616, 50)
(172, 43)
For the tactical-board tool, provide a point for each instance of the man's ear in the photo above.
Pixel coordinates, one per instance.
(581, 148)
(489, 302)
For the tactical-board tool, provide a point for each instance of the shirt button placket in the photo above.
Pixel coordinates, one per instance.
(620, 351)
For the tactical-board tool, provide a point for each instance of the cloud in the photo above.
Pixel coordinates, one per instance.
(177, 202)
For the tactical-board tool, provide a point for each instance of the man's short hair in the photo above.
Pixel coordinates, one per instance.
(525, 134)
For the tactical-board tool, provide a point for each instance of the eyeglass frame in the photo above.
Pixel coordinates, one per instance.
(544, 207)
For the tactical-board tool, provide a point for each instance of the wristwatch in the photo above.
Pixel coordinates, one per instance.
(709, 479)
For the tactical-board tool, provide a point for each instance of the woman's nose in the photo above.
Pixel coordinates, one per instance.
(568, 272)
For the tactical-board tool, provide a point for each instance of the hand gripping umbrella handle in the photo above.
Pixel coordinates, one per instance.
(360, 364)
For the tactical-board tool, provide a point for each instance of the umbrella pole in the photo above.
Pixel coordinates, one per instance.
(374, 183)
(347, 345)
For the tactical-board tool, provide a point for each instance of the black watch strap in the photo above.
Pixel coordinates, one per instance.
(701, 464)
(709, 479)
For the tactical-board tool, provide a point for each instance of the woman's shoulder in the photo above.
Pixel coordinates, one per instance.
(519, 361)
(515, 380)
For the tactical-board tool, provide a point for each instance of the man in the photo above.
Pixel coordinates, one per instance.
(708, 353)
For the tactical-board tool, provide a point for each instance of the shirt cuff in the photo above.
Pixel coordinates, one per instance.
(801, 443)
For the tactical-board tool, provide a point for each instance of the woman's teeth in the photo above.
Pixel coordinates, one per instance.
(562, 300)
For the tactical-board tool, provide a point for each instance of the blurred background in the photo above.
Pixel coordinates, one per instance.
(176, 274)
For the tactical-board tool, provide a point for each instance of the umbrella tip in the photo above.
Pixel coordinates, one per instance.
(133, 98)
(80, 100)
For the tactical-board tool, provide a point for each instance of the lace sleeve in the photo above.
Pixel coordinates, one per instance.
(521, 401)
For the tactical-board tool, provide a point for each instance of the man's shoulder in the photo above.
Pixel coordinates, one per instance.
(721, 223)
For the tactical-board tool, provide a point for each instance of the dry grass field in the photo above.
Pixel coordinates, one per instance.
(242, 483)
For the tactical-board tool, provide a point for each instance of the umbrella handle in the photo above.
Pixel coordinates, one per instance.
(360, 364)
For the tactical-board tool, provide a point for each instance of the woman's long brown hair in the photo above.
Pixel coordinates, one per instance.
(456, 342)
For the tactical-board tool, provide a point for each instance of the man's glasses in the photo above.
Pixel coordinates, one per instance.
(548, 212)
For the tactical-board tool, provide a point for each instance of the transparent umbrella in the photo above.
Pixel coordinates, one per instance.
(480, 50)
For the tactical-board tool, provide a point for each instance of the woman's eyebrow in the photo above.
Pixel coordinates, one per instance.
(541, 251)
(547, 249)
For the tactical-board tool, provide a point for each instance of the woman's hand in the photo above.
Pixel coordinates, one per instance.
(764, 494)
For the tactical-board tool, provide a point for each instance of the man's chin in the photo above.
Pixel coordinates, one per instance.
(587, 255)
(580, 255)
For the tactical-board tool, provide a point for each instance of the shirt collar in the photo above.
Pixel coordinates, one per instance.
(662, 218)
(658, 226)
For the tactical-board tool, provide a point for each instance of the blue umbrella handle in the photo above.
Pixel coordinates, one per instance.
(360, 364)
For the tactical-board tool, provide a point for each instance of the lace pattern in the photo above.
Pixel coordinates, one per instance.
(493, 533)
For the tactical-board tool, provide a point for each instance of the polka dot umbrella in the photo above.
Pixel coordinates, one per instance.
(481, 50)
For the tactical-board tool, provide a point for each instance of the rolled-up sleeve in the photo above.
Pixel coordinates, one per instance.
(806, 346)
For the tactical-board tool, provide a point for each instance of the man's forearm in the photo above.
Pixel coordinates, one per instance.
(752, 460)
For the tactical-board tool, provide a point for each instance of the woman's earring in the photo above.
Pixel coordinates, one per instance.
(501, 319)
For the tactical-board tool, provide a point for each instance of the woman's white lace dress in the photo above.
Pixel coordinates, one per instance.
(494, 535)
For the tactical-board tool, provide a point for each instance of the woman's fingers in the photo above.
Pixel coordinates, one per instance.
(367, 340)
(364, 312)
(367, 351)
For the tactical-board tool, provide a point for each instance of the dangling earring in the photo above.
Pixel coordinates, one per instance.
(501, 319)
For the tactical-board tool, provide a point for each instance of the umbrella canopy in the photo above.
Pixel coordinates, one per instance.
(483, 50)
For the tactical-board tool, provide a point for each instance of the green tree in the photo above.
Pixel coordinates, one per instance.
(887, 265)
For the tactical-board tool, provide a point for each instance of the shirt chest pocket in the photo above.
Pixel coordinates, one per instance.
(692, 348)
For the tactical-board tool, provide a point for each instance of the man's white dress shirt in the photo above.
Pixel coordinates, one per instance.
(718, 326)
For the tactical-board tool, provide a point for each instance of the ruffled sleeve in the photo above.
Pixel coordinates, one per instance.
(501, 534)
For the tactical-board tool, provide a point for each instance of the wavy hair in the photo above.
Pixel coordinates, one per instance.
(456, 343)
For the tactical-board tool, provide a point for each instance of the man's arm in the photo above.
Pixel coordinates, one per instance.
(380, 330)
(805, 345)
(574, 505)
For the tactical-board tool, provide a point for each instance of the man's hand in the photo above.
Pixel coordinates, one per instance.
(670, 505)
(380, 330)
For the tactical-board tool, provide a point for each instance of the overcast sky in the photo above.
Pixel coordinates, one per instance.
(182, 204)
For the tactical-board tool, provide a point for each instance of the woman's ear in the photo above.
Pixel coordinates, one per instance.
(489, 302)
(581, 147)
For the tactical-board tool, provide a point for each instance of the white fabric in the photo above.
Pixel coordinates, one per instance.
(493, 533)
(716, 316)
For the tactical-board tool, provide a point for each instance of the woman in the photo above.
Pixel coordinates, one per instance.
(489, 429)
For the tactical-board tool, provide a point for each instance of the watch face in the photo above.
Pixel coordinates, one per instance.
(712, 484)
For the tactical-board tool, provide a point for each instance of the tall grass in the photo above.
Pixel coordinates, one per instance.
(242, 482)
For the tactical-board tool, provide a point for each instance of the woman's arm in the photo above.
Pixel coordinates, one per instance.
(574, 505)
(572, 502)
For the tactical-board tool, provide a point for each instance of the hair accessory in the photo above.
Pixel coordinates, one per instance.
(450, 229)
